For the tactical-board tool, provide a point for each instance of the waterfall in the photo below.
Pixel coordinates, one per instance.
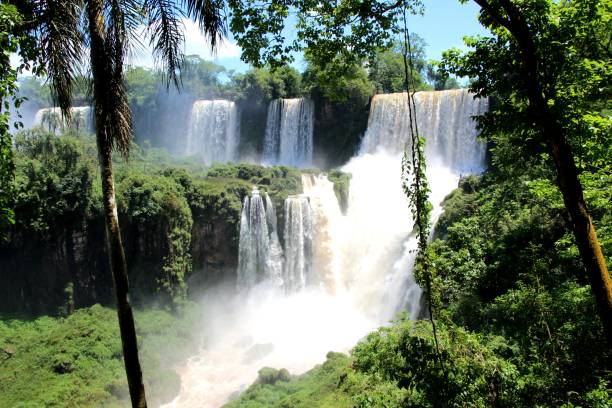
(298, 243)
(443, 119)
(51, 118)
(289, 130)
(213, 131)
(328, 224)
(259, 254)
(451, 149)
(274, 262)
(343, 275)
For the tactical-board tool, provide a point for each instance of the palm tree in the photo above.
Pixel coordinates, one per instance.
(111, 28)
(77, 120)
(52, 119)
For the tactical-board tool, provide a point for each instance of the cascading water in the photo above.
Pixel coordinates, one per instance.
(451, 149)
(274, 262)
(360, 270)
(329, 225)
(213, 131)
(51, 119)
(298, 243)
(289, 127)
(443, 118)
(259, 256)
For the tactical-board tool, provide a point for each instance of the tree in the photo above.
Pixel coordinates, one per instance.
(353, 84)
(78, 120)
(336, 34)
(52, 119)
(438, 78)
(386, 69)
(109, 29)
(201, 77)
(548, 64)
(12, 40)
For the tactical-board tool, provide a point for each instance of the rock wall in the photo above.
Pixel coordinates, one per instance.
(36, 269)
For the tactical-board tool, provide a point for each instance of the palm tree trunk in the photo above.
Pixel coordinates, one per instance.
(101, 78)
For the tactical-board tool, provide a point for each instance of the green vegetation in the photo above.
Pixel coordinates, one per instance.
(317, 388)
(11, 41)
(76, 361)
(342, 183)
(510, 272)
(516, 321)
(176, 216)
(548, 65)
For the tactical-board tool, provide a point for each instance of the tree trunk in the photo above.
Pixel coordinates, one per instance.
(101, 82)
(584, 230)
(567, 174)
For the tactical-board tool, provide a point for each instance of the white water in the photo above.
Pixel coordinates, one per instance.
(288, 139)
(82, 116)
(442, 118)
(298, 243)
(213, 131)
(259, 256)
(360, 275)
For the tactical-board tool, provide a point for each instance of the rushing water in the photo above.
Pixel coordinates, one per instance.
(342, 275)
(260, 256)
(443, 118)
(213, 131)
(289, 127)
(298, 243)
(51, 118)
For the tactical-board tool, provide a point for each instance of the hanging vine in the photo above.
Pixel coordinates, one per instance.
(414, 181)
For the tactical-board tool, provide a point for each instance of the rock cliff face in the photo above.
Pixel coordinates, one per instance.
(180, 234)
(338, 128)
(36, 271)
(214, 249)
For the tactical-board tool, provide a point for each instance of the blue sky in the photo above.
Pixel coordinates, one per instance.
(443, 26)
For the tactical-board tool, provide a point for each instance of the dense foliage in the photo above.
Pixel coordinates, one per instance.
(515, 314)
(12, 40)
(177, 216)
(76, 361)
(516, 319)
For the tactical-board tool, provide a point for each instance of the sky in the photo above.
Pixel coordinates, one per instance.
(443, 26)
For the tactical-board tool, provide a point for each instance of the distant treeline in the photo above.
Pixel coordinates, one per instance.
(161, 112)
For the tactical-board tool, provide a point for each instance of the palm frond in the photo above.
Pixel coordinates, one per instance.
(61, 41)
(209, 14)
(165, 29)
(123, 18)
(119, 119)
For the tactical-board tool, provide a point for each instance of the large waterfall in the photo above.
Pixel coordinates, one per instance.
(342, 275)
(443, 119)
(213, 131)
(51, 119)
(289, 127)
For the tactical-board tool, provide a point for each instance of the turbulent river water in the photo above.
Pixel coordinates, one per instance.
(337, 276)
